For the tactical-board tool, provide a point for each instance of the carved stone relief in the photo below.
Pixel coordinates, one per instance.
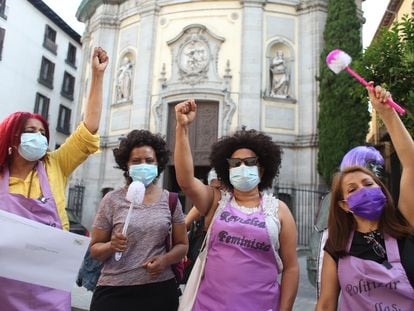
(194, 71)
(195, 56)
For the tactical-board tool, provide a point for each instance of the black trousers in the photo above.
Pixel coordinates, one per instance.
(161, 296)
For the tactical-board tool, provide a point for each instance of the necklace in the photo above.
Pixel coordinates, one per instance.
(242, 208)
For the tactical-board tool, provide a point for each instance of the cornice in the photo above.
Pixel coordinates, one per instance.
(88, 7)
(317, 5)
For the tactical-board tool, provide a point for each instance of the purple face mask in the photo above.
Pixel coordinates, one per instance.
(367, 203)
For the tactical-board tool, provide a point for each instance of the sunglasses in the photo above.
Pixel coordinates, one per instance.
(378, 249)
(236, 162)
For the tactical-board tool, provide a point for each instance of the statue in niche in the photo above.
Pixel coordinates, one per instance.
(124, 80)
(279, 77)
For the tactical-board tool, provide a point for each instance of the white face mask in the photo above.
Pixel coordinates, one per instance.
(32, 146)
(244, 178)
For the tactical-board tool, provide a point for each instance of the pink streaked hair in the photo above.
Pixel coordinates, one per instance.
(11, 129)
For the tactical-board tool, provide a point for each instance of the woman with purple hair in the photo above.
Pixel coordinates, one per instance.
(366, 156)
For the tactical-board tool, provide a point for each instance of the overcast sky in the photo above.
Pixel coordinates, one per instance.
(373, 12)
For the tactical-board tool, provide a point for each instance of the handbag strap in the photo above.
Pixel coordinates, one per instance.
(172, 204)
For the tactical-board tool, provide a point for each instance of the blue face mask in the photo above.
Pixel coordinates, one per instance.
(144, 173)
(32, 146)
(244, 178)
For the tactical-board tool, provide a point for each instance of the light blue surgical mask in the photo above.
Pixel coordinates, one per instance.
(33, 146)
(244, 178)
(144, 173)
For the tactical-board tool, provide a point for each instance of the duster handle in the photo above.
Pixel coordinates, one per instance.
(390, 102)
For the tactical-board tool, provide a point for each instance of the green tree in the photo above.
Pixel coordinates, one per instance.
(343, 119)
(389, 61)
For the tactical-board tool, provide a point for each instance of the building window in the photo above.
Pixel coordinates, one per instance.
(64, 120)
(3, 9)
(2, 34)
(49, 41)
(68, 86)
(46, 73)
(71, 57)
(75, 200)
(42, 105)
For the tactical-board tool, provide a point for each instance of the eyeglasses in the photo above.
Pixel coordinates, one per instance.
(377, 248)
(236, 162)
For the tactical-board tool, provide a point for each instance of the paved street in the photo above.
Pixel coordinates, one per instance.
(306, 298)
(304, 301)
(81, 298)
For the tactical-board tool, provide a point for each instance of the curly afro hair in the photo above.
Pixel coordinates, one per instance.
(139, 138)
(269, 155)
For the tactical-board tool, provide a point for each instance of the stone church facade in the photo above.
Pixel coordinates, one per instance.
(248, 63)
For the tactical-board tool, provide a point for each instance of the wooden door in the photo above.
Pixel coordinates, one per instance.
(202, 134)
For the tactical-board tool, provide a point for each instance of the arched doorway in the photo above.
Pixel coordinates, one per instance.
(203, 133)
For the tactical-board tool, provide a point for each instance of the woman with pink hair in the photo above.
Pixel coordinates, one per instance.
(33, 182)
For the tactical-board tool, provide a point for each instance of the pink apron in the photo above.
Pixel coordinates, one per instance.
(368, 285)
(241, 271)
(21, 296)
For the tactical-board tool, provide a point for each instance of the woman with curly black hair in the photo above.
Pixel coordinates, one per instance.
(142, 279)
(252, 237)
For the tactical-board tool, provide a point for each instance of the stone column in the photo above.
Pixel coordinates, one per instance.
(102, 30)
(145, 63)
(312, 17)
(251, 64)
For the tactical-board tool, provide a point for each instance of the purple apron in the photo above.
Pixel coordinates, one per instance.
(241, 270)
(368, 285)
(22, 296)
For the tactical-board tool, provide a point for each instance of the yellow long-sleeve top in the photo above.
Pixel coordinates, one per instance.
(59, 164)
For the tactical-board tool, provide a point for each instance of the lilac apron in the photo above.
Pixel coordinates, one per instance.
(22, 296)
(368, 285)
(241, 270)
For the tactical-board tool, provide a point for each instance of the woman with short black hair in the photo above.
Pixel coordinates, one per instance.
(142, 279)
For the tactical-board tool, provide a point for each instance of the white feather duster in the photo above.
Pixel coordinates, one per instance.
(135, 195)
